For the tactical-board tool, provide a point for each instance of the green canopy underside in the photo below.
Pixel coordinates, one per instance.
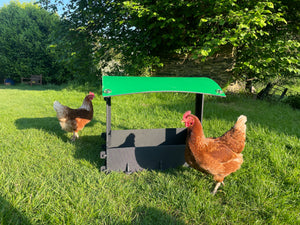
(121, 85)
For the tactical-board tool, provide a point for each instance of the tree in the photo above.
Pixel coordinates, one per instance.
(75, 50)
(25, 34)
(74, 45)
(263, 34)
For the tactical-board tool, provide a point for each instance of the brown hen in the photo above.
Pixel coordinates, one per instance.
(74, 120)
(217, 156)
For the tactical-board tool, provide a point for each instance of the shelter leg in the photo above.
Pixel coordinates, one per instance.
(108, 121)
(199, 106)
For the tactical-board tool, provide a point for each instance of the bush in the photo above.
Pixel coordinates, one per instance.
(26, 32)
(294, 101)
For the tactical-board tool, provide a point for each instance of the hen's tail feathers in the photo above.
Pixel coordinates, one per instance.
(241, 123)
(59, 108)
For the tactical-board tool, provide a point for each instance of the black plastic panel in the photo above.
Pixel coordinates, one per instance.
(132, 159)
(135, 150)
(147, 137)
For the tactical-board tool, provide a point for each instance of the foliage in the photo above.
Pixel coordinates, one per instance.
(46, 179)
(25, 34)
(75, 51)
(268, 52)
(264, 35)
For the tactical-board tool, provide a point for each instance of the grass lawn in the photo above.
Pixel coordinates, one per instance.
(46, 179)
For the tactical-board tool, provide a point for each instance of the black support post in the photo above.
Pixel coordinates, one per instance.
(108, 121)
(199, 106)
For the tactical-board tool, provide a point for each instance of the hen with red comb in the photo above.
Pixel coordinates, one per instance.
(217, 156)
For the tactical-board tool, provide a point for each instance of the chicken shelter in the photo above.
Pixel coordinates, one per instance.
(158, 149)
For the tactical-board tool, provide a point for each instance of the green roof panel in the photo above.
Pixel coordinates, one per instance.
(122, 85)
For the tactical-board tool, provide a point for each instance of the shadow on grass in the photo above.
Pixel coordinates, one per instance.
(89, 148)
(33, 87)
(25, 87)
(10, 215)
(150, 215)
(48, 124)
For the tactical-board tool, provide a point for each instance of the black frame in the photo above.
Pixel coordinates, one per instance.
(153, 149)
